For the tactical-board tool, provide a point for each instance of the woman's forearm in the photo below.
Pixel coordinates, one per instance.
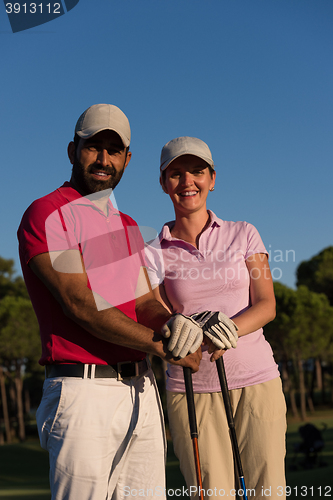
(255, 317)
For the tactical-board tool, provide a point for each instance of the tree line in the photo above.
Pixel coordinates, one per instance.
(301, 337)
(20, 373)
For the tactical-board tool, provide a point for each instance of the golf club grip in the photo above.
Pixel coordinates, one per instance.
(224, 389)
(190, 401)
(228, 410)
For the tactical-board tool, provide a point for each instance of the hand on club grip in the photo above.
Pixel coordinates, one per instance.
(185, 335)
(220, 329)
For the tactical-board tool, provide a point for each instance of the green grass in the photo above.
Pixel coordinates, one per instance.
(319, 478)
(24, 467)
(24, 470)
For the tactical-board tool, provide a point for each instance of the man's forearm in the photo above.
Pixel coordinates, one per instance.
(152, 314)
(114, 326)
(109, 323)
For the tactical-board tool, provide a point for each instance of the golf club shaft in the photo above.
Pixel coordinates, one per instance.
(193, 425)
(231, 424)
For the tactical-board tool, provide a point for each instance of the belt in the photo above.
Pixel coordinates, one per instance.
(120, 371)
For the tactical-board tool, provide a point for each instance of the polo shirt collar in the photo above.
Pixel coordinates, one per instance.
(72, 195)
(214, 220)
(69, 192)
(165, 233)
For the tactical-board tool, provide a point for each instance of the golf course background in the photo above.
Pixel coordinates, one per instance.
(24, 467)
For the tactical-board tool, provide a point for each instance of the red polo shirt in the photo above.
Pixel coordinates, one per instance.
(112, 251)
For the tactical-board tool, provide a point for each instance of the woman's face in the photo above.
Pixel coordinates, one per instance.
(187, 182)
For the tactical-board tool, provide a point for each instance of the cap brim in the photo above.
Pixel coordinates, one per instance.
(87, 133)
(166, 163)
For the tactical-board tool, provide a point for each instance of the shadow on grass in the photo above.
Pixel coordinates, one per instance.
(315, 483)
(24, 469)
(174, 478)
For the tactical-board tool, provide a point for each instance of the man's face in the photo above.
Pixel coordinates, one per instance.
(98, 162)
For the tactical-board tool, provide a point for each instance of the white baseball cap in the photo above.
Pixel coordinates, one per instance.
(185, 146)
(103, 117)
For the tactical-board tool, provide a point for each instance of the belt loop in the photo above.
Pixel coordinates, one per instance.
(119, 377)
(85, 371)
(93, 368)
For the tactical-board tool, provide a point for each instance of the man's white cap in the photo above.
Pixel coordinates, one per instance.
(103, 117)
(185, 146)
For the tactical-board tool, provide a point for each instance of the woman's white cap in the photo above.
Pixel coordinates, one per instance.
(185, 146)
(103, 117)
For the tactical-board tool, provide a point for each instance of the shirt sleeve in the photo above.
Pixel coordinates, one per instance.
(154, 262)
(254, 242)
(43, 229)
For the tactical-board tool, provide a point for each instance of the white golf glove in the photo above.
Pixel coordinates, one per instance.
(185, 335)
(220, 329)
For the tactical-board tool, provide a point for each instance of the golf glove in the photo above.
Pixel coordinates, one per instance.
(220, 329)
(185, 335)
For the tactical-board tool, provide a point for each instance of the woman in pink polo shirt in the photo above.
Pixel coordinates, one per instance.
(203, 263)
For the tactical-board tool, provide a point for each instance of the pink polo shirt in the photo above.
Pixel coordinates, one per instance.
(213, 277)
(112, 250)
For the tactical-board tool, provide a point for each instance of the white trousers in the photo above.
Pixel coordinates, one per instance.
(105, 438)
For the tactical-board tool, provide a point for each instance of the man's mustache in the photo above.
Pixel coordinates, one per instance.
(107, 170)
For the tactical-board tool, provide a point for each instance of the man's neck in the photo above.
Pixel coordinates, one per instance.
(100, 198)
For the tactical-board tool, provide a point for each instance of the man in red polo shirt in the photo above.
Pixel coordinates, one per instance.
(83, 264)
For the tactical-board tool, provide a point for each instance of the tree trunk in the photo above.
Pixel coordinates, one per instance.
(323, 390)
(302, 389)
(319, 374)
(20, 413)
(288, 388)
(331, 366)
(12, 396)
(310, 403)
(293, 403)
(311, 383)
(27, 405)
(5, 406)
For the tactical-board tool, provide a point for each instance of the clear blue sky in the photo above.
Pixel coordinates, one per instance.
(252, 78)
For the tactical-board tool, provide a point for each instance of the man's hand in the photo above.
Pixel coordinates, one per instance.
(185, 335)
(191, 360)
(220, 329)
(215, 352)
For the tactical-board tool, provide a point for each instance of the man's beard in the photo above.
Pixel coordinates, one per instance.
(87, 185)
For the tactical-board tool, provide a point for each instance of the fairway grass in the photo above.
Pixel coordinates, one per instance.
(24, 468)
(26, 494)
(317, 483)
